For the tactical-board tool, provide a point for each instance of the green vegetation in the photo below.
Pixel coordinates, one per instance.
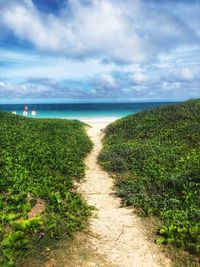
(156, 158)
(39, 160)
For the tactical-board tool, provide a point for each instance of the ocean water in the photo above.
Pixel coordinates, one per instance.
(82, 111)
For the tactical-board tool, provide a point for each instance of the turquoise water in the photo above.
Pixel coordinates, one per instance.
(81, 111)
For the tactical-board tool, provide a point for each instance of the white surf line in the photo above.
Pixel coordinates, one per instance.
(119, 233)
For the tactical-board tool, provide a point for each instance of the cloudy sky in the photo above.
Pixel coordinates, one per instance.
(99, 50)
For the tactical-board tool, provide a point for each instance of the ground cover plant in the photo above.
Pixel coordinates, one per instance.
(39, 161)
(155, 156)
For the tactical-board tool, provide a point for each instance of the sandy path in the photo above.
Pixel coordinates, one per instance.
(119, 234)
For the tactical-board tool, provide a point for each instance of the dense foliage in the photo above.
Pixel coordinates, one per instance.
(39, 159)
(156, 156)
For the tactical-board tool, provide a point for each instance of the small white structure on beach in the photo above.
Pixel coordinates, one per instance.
(25, 113)
(33, 113)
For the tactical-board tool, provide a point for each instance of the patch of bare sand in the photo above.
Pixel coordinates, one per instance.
(118, 233)
(38, 209)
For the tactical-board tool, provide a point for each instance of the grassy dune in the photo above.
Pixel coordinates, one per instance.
(156, 158)
(39, 161)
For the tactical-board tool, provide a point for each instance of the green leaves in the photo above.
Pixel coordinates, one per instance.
(39, 159)
(14, 241)
(6, 242)
(160, 240)
(57, 197)
(16, 236)
(156, 157)
(8, 253)
(11, 240)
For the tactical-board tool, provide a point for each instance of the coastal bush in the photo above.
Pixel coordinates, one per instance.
(39, 161)
(156, 158)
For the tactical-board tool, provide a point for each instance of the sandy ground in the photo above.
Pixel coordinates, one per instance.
(117, 233)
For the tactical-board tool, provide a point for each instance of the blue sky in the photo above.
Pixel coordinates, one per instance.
(97, 50)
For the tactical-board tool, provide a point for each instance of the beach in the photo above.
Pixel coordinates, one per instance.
(99, 123)
(115, 234)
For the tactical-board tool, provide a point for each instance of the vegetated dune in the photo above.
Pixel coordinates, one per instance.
(39, 160)
(156, 158)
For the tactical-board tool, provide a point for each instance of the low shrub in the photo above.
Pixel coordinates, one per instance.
(156, 158)
(39, 160)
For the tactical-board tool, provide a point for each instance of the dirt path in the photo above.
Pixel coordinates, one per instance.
(117, 233)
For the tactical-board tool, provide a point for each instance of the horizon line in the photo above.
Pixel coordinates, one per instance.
(93, 102)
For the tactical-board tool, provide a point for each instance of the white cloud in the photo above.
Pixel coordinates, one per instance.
(138, 77)
(56, 67)
(180, 74)
(35, 65)
(122, 31)
(107, 80)
(90, 43)
(185, 74)
(2, 84)
(96, 30)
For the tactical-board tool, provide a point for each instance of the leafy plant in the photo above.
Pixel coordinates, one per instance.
(39, 160)
(156, 157)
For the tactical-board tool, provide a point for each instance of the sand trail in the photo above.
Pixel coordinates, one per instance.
(117, 233)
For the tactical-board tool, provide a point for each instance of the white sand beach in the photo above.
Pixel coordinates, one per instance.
(94, 121)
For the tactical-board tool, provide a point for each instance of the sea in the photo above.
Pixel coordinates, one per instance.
(80, 111)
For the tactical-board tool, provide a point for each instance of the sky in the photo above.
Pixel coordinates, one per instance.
(99, 50)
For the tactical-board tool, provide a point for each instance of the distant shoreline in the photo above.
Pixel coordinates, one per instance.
(84, 112)
(94, 120)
